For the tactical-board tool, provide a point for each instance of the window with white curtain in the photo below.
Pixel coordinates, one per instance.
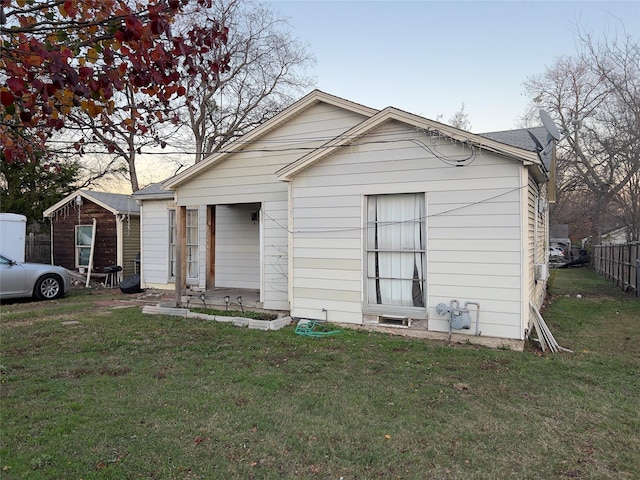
(395, 249)
(191, 246)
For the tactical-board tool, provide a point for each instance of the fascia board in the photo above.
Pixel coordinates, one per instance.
(86, 195)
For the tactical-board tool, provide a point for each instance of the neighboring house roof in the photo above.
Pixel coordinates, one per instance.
(155, 191)
(301, 105)
(532, 139)
(528, 157)
(116, 203)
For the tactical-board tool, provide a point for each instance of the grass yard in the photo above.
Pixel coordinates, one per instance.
(121, 395)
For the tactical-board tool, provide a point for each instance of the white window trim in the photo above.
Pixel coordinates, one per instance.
(77, 246)
(393, 310)
(194, 260)
(171, 221)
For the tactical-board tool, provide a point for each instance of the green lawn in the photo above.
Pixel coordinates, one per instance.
(122, 395)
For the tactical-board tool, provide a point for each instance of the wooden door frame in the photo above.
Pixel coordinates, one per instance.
(211, 248)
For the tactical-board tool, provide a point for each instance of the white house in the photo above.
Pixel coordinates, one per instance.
(336, 211)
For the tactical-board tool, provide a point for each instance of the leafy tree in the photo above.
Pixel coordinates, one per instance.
(265, 73)
(32, 187)
(594, 97)
(64, 60)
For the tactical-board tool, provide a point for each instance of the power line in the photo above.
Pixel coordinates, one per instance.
(413, 220)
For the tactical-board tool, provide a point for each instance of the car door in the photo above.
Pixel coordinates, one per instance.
(12, 278)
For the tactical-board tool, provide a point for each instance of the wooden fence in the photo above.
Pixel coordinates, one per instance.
(37, 248)
(620, 264)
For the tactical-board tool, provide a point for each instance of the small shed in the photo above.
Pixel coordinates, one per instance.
(99, 226)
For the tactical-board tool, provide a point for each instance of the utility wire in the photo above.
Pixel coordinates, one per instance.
(385, 224)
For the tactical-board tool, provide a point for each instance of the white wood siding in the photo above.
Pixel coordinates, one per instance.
(154, 244)
(249, 176)
(474, 227)
(247, 257)
(537, 215)
(237, 247)
(275, 282)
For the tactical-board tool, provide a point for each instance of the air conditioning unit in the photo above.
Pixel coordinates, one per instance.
(541, 271)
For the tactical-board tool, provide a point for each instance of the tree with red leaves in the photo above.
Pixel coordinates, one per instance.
(62, 58)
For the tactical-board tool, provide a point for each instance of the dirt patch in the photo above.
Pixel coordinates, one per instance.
(114, 296)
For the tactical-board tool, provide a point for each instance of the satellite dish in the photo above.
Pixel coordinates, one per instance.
(550, 125)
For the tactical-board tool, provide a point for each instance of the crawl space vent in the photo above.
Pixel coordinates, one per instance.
(395, 321)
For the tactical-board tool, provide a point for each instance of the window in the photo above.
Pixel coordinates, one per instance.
(84, 233)
(172, 243)
(192, 243)
(395, 249)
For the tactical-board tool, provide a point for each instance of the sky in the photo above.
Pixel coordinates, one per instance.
(430, 57)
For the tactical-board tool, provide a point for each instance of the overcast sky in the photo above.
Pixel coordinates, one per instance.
(428, 57)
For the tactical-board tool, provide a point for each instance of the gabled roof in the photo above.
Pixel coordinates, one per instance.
(390, 114)
(284, 116)
(116, 203)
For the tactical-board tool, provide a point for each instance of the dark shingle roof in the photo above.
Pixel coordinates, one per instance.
(524, 138)
(119, 202)
(153, 191)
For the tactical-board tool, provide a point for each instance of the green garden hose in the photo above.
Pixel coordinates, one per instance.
(308, 329)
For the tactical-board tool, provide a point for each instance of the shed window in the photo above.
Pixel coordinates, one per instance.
(395, 250)
(84, 233)
(191, 246)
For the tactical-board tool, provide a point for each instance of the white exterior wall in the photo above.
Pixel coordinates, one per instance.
(274, 247)
(249, 177)
(475, 246)
(237, 247)
(13, 231)
(538, 234)
(154, 244)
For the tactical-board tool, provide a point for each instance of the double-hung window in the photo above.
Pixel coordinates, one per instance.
(191, 244)
(395, 251)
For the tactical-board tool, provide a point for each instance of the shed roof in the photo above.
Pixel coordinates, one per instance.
(116, 203)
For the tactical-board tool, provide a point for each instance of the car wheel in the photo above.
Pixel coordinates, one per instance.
(48, 287)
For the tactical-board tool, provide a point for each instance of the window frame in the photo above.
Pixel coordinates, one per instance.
(192, 244)
(78, 247)
(172, 234)
(370, 248)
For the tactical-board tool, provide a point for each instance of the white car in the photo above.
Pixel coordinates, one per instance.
(555, 253)
(37, 280)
